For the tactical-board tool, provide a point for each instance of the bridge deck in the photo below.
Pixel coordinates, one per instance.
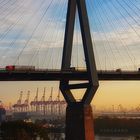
(56, 75)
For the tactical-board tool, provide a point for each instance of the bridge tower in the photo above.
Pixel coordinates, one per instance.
(79, 118)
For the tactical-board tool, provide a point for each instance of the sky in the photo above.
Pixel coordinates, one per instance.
(32, 33)
(125, 93)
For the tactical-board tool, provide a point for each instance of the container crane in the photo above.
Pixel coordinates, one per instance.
(25, 105)
(34, 103)
(17, 107)
(42, 102)
(49, 104)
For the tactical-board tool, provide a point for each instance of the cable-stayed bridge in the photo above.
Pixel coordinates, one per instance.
(32, 33)
(57, 75)
(100, 35)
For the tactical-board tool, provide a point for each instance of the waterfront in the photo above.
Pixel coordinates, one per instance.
(61, 136)
(116, 138)
(105, 128)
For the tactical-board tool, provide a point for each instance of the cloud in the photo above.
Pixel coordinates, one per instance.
(27, 35)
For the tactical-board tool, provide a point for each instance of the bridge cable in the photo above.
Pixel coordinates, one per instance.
(129, 54)
(22, 30)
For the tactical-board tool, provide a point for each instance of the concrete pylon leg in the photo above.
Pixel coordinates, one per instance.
(79, 122)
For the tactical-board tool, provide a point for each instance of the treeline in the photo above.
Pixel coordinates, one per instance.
(20, 130)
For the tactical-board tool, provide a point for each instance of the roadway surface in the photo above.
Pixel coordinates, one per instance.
(57, 75)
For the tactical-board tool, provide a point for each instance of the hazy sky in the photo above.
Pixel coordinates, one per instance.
(126, 93)
(32, 33)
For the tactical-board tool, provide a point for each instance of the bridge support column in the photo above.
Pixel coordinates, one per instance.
(79, 119)
(79, 122)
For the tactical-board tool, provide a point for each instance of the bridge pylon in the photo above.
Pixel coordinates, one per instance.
(79, 118)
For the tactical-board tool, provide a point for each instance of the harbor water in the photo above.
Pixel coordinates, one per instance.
(61, 136)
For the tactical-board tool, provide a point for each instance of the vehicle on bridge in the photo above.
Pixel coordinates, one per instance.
(19, 68)
(118, 70)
